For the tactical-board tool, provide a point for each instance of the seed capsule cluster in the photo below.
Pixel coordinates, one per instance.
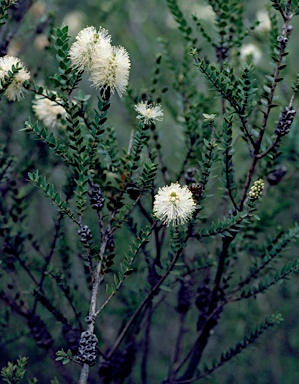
(282, 41)
(96, 197)
(190, 175)
(72, 336)
(256, 190)
(85, 234)
(276, 175)
(202, 303)
(285, 121)
(222, 53)
(120, 365)
(196, 190)
(184, 297)
(39, 331)
(110, 244)
(87, 348)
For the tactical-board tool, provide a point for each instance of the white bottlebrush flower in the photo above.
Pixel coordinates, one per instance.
(15, 90)
(48, 111)
(87, 41)
(203, 12)
(264, 19)
(110, 68)
(251, 52)
(149, 112)
(174, 204)
(74, 20)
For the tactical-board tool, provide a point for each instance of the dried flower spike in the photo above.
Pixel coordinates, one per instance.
(174, 204)
(147, 113)
(15, 90)
(256, 190)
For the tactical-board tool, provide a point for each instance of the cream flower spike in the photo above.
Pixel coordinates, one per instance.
(48, 112)
(174, 204)
(110, 68)
(87, 41)
(15, 90)
(148, 113)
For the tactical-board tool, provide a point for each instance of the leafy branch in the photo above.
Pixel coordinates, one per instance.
(14, 373)
(227, 227)
(270, 322)
(271, 252)
(279, 275)
(49, 190)
(125, 268)
(55, 144)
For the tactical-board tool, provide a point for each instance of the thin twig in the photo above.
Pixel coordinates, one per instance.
(144, 302)
(48, 257)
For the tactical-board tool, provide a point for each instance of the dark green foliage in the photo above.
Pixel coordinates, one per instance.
(221, 81)
(13, 373)
(4, 9)
(48, 138)
(203, 31)
(125, 267)
(140, 139)
(229, 168)
(49, 191)
(62, 283)
(277, 245)
(227, 227)
(66, 79)
(208, 158)
(96, 127)
(180, 19)
(50, 306)
(279, 5)
(270, 281)
(5, 163)
(247, 88)
(147, 177)
(270, 322)
(66, 357)
(8, 78)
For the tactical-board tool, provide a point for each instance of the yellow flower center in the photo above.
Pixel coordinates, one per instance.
(147, 112)
(173, 196)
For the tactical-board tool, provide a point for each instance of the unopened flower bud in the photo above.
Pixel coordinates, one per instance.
(256, 190)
